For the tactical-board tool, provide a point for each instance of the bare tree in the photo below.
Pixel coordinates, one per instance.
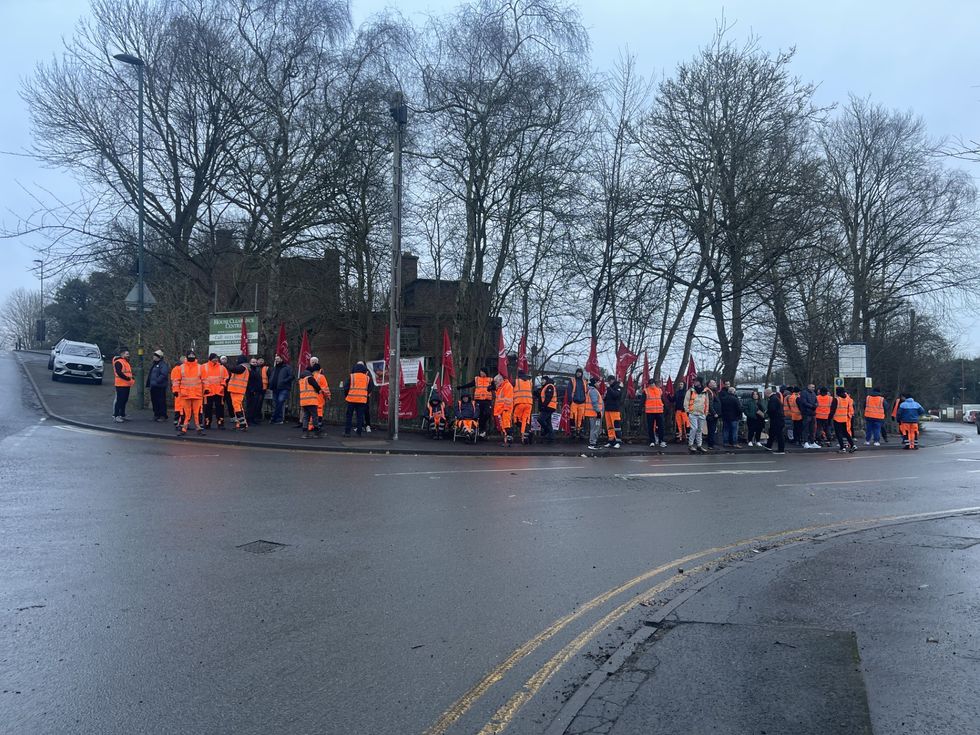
(18, 319)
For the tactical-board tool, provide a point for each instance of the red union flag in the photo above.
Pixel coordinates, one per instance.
(282, 344)
(243, 347)
(564, 423)
(692, 373)
(502, 355)
(630, 387)
(669, 388)
(592, 364)
(522, 365)
(303, 363)
(646, 370)
(448, 370)
(624, 361)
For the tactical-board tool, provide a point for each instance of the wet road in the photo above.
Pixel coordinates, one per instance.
(127, 604)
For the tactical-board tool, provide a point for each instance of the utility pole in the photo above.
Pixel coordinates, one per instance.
(141, 303)
(40, 329)
(399, 113)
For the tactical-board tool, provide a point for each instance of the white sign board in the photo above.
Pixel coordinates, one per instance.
(852, 360)
(225, 335)
(410, 370)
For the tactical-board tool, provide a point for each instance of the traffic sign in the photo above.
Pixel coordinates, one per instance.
(838, 382)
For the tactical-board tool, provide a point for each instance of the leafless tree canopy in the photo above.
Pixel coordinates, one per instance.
(716, 213)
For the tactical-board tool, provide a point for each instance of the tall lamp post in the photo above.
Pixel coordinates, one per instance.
(138, 63)
(40, 330)
(399, 113)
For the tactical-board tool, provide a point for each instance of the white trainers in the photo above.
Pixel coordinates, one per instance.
(653, 444)
(663, 445)
(751, 444)
(118, 419)
(877, 444)
(367, 429)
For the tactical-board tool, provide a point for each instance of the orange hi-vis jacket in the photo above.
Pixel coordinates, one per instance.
(874, 407)
(127, 370)
(795, 414)
(654, 402)
(482, 390)
(238, 382)
(505, 398)
(189, 382)
(357, 388)
(307, 394)
(551, 403)
(845, 410)
(324, 384)
(522, 393)
(823, 406)
(265, 377)
(215, 375)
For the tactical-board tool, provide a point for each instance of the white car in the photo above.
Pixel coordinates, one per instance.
(77, 360)
(54, 352)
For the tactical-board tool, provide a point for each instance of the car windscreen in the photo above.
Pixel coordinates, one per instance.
(81, 350)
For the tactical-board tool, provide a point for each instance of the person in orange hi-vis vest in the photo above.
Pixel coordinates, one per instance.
(682, 423)
(653, 408)
(874, 417)
(175, 389)
(356, 393)
(312, 385)
(523, 402)
(237, 387)
(843, 413)
(909, 411)
(215, 377)
(123, 373)
(190, 388)
(503, 406)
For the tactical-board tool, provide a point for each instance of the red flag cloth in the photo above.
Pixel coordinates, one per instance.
(592, 364)
(669, 387)
(448, 370)
(630, 387)
(502, 356)
(692, 373)
(624, 361)
(282, 344)
(565, 423)
(646, 370)
(420, 377)
(443, 389)
(408, 398)
(303, 363)
(522, 365)
(243, 348)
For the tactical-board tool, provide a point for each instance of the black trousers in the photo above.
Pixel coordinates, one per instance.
(214, 408)
(485, 409)
(753, 428)
(253, 406)
(712, 430)
(843, 435)
(544, 418)
(655, 427)
(776, 432)
(122, 398)
(158, 399)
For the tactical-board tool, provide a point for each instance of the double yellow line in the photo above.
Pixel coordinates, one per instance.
(506, 713)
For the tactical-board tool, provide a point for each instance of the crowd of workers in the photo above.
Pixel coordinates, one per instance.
(584, 409)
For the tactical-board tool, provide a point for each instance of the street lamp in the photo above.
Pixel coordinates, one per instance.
(40, 331)
(399, 113)
(138, 63)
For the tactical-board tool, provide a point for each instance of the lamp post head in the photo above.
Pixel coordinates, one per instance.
(398, 109)
(128, 59)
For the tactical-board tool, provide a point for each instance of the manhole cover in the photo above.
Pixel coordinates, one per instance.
(261, 547)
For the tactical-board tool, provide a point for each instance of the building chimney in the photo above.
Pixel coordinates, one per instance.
(410, 268)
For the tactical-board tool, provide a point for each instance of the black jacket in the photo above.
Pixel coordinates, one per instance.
(281, 377)
(614, 392)
(775, 407)
(254, 380)
(359, 369)
(731, 407)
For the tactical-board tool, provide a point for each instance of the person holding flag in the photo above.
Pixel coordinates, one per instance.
(576, 395)
(547, 405)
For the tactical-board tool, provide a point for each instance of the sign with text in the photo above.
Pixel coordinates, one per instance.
(852, 360)
(225, 335)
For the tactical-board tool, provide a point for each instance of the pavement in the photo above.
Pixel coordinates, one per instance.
(874, 631)
(90, 406)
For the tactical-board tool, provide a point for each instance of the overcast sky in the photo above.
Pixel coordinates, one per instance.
(923, 56)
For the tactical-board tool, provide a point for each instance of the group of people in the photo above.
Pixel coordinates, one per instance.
(205, 393)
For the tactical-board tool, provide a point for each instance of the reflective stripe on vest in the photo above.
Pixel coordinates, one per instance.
(505, 396)
(845, 409)
(357, 388)
(482, 391)
(874, 407)
(308, 396)
(823, 406)
(654, 399)
(214, 377)
(238, 382)
(190, 383)
(522, 393)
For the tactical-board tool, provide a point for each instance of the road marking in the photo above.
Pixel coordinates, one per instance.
(849, 482)
(712, 472)
(78, 429)
(712, 464)
(462, 705)
(465, 472)
(967, 459)
(848, 459)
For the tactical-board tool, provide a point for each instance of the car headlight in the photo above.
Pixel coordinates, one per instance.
(59, 363)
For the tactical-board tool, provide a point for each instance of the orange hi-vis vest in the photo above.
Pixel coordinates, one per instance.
(175, 379)
(654, 399)
(522, 393)
(321, 380)
(215, 375)
(874, 407)
(357, 388)
(190, 383)
(238, 382)
(845, 409)
(795, 413)
(127, 370)
(265, 377)
(552, 403)
(505, 398)
(482, 390)
(823, 406)
(308, 396)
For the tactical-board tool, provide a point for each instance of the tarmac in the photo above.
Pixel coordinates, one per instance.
(866, 631)
(89, 406)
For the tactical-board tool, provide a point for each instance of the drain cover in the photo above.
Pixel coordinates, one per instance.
(261, 547)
